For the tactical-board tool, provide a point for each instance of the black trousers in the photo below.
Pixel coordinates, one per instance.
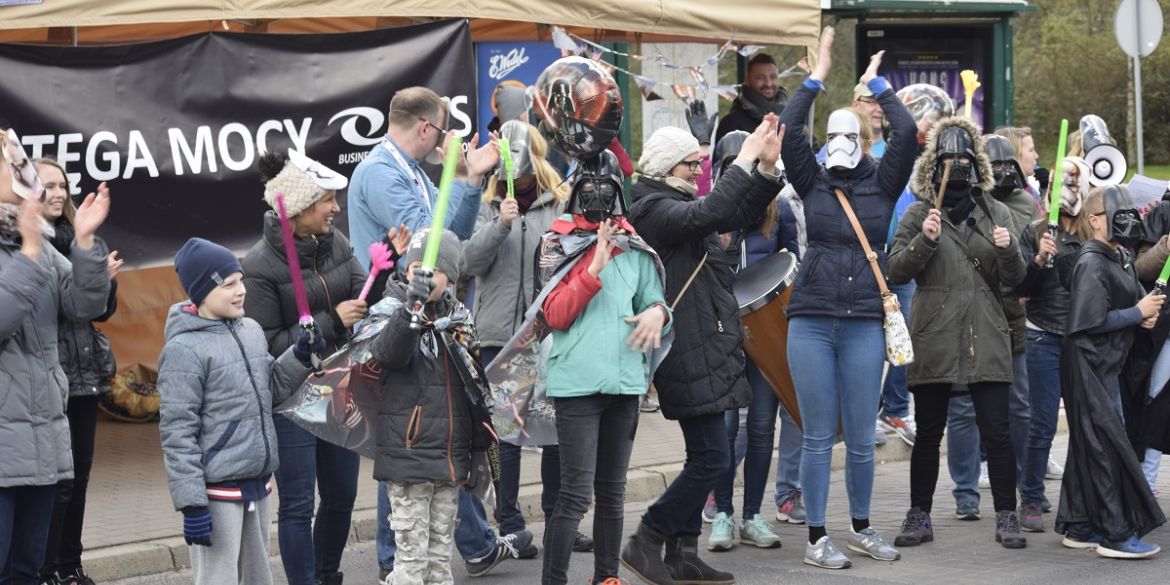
(64, 551)
(991, 416)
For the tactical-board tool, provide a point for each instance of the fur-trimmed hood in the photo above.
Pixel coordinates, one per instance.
(920, 181)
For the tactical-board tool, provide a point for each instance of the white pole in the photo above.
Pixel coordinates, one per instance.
(1137, 81)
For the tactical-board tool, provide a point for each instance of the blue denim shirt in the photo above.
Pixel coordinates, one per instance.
(382, 195)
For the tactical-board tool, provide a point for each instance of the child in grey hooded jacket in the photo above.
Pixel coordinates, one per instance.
(217, 384)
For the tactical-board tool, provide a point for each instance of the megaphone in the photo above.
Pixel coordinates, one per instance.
(1107, 165)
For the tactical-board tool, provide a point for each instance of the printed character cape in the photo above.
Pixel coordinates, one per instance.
(1103, 480)
(521, 411)
(341, 405)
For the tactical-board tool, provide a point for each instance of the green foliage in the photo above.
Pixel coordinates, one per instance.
(1068, 64)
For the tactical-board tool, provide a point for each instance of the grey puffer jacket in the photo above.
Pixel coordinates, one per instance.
(85, 351)
(502, 259)
(34, 295)
(218, 383)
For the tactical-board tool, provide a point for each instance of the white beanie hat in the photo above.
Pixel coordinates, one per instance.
(666, 148)
(302, 181)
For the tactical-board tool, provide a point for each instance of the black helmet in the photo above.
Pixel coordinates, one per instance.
(597, 188)
(955, 143)
(1125, 223)
(1009, 176)
(726, 150)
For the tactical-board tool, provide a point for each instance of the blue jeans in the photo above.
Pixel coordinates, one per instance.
(310, 551)
(473, 537)
(25, 515)
(965, 450)
(837, 368)
(1044, 391)
(679, 511)
(509, 518)
(761, 428)
(895, 396)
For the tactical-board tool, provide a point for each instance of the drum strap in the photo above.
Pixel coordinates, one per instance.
(688, 283)
(869, 255)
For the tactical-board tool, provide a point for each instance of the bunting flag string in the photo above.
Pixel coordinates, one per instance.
(572, 44)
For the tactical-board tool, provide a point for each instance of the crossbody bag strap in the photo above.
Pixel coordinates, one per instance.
(689, 281)
(869, 255)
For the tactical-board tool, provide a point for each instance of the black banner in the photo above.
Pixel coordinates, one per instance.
(176, 126)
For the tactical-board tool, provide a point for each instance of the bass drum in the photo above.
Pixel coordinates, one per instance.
(762, 291)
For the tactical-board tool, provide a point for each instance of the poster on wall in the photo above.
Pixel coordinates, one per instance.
(517, 64)
(933, 55)
(176, 126)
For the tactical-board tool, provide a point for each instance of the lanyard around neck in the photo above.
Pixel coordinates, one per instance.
(419, 184)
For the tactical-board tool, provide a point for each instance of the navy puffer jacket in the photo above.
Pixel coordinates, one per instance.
(835, 279)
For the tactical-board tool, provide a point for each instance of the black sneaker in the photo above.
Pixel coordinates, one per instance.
(582, 544)
(51, 579)
(506, 546)
(916, 529)
(337, 578)
(383, 573)
(75, 577)
(1007, 530)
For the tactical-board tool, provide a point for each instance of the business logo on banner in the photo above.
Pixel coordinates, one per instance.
(519, 64)
(176, 126)
(940, 69)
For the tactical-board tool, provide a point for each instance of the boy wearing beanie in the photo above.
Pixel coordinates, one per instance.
(432, 400)
(218, 384)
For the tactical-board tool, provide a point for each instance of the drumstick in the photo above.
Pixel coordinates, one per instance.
(938, 199)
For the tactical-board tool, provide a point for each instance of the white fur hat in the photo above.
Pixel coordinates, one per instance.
(302, 182)
(666, 148)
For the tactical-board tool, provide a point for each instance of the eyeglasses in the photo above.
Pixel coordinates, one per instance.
(442, 132)
(692, 165)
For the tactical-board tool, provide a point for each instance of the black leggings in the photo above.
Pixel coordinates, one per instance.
(63, 553)
(991, 416)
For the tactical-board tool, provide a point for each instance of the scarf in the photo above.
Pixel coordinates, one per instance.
(681, 185)
(958, 205)
(756, 104)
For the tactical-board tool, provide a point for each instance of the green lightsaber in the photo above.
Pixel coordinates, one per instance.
(1160, 284)
(1055, 188)
(439, 220)
(509, 170)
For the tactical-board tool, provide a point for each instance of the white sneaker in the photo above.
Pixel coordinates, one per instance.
(1054, 470)
(984, 479)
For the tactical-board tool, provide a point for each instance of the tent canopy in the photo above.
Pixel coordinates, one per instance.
(786, 22)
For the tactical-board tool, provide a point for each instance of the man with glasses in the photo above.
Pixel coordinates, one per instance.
(389, 190)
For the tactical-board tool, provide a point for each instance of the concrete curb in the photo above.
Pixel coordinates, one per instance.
(642, 484)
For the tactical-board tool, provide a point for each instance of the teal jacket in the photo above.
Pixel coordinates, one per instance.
(589, 350)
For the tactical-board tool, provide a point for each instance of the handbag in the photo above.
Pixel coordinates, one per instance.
(899, 349)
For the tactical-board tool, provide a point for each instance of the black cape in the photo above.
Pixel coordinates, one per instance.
(1103, 480)
(1146, 421)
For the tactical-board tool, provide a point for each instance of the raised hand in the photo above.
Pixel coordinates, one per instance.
(90, 216)
(771, 151)
(824, 54)
(701, 125)
(399, 238)
(871, 72)
(604, 252)
(32, 241)
(481, 160)
(932, 225)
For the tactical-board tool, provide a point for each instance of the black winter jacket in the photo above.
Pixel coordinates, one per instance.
(835, 279)
(1046, 288)
(84, 351)
(704, 371)
(331, 273)
(425, 428)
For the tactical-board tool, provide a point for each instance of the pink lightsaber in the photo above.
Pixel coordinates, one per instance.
(380, 259)
(294, 272)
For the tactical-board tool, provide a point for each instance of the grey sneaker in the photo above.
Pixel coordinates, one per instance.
(824, 555)
(916, 529)
(870, 543)
(791, 509)
(1007, 530)
(757, 532)
(1031, 517)
(968, 511)
(879, 434)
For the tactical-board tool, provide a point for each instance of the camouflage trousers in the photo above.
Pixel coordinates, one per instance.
(423, 519)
